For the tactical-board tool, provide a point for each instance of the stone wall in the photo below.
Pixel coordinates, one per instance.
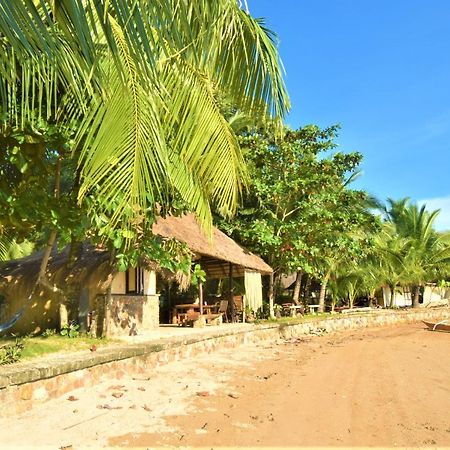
(132, 314)
(25, 384)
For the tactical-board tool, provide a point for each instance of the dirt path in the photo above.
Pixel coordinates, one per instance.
(378, 387)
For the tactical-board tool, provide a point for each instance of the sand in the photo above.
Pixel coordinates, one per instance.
(385, 387)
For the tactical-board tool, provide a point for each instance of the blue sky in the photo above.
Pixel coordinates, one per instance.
(382, 70)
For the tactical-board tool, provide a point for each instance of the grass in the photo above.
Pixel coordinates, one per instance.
(297, 319)
(37, 346)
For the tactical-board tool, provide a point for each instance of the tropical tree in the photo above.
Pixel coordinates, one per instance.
(298, 212)
(426, 255)
(139, 81)
(133, 89)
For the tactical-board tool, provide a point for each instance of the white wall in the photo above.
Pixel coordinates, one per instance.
(400, 299)
(118, 283)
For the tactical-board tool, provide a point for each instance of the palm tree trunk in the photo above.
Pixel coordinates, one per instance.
(297, 286)
(392, 297)
(323, 290)
(271, 295)
(415, 302)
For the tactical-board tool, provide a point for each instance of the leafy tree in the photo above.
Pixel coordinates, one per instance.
(298, 213)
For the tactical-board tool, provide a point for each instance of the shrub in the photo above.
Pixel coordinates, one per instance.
(70, 330)
(11, 353)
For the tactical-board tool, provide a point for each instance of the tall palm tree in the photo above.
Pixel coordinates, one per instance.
(388, 265)
(427, 255)
(141, 81)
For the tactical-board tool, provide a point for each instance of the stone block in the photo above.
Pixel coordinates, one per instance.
(40, 394)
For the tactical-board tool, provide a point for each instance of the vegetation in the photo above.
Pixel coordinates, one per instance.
(111, 115)
(28, 347)
(115, 113)
(299, 212)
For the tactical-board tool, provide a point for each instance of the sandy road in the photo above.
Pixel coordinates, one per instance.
(377, 387)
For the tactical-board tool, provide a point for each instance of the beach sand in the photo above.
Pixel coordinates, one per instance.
(385, 387)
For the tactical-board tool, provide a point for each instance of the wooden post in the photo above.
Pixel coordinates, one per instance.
(108, 299)
(200, 295)
(271, 296)
(230, 284)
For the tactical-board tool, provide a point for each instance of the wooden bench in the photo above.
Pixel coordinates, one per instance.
(313, 308)
(198, 320)
(214, 319)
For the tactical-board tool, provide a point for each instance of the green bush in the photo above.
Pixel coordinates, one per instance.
(11, 353)
(70, 330)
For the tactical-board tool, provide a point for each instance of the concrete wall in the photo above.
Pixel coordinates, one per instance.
(401, 298)
(434, 294)
(132, 314)
(25, 384)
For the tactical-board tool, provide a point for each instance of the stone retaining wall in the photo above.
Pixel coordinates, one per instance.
(23, 385)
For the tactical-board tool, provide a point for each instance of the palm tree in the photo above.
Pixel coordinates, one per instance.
(141, 82)
(427, 255)
(388, 266)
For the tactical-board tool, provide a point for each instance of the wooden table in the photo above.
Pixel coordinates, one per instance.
(181, 312)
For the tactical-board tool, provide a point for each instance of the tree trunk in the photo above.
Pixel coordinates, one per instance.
(323, 290)
(392, 297)
(297, 286)
(415, 302)
(351, 301)
(277, 285)
(63, 315)
(271, 283)
(308, 288)
(107, 326)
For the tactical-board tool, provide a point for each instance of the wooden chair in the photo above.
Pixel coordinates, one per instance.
(223, 309)
(238, 307)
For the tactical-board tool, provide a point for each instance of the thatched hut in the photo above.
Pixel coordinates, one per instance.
(102, 299)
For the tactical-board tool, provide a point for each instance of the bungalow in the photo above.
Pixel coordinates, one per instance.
(432, 295)
(106, 301)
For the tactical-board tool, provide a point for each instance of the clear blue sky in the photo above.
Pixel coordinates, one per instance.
(382, 70)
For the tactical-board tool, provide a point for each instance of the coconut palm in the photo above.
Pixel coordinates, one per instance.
(141, 81)
(389, 267)
(427, 256)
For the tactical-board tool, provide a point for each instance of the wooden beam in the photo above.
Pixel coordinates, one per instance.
(200, 296)
(230, 283)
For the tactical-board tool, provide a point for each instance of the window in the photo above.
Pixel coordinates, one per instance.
(134, 281)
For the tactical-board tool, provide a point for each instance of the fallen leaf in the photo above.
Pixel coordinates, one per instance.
(140, 388)
(203, 393)
(117, 394)
(106, 406)
(233, 395)
(72, 398)
(93, 348)
(147, 408)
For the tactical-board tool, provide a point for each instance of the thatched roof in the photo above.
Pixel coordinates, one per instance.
(84, 269)
(216, 252)
(214, 255)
